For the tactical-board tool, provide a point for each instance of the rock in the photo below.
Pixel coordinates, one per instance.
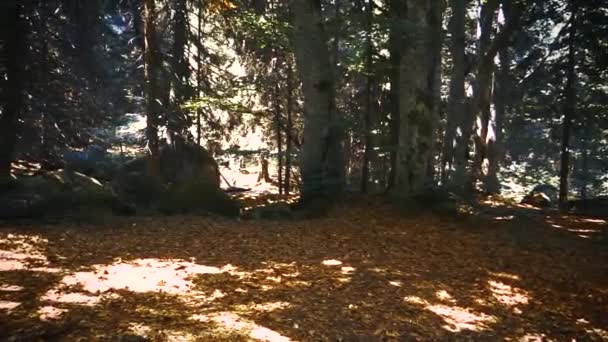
(180, 164)
(592, 207)
(275, 211)
(60, 193)
(84, 161)
(198, 197)
(542, 196)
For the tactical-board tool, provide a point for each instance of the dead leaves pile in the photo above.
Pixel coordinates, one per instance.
(364, 273)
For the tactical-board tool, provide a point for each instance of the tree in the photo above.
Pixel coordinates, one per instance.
(417, 90)
(12, 43)
(321, 154)
(152, 65)
(457, 97)
(569, 109)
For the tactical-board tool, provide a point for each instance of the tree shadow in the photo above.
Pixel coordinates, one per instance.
(362, 274)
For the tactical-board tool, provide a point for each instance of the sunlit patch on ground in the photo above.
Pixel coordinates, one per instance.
(602, 333)
(50, 313)
(585, 228)
(508, 295)
(21, 252)
(8, 306)
(10, 288)
(233, 323)
(445, 296)
(332, 262)
(263, 307)
(142, 275)
(456, 318)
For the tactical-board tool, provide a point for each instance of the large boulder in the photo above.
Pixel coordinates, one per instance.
(542, 196)
(60, 193)
(189, 183)
(179, 164)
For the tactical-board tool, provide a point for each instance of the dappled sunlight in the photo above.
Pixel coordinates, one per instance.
(48, 313)
(505, 275)
(8, 306)
(456, 318)
(263, 307)
(585, 228)
(142, 275)
(332, 262)
(23, 252)
(601, 333)
(445, 296)
(10, 288)
(508, 295)
(232, 323)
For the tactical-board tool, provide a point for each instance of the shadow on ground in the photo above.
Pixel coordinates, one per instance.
(363, 274)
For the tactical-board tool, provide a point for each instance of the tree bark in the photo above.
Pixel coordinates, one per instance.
(456, 100)
(570, 109)
(177, 122)
(416, 90)
(289, 128)
(277, 119)
(199, 69)
(12, 42)
(483, 91)
(151, 69)
(397, 12)
(368, 97)
(322, 166)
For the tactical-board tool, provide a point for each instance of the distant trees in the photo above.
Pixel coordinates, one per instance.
(12, 49)
(370, 95)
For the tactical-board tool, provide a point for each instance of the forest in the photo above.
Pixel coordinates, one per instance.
(303, 170)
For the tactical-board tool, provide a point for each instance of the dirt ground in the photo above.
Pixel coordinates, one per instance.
(365, 273)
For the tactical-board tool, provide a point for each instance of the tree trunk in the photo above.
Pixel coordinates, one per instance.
(456, 100)
(501, 95)
(151, 69)
(483, 90)
(321, 164)
(289, 128)
(12, 43)
(416, 90)
(397, 12)
(570, 110)
(177, 122)
(368, 97)
(437, 9)
(199, 69)
(277, 119)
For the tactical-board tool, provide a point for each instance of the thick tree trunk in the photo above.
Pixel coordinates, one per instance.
(12, 43)
(368, 97)
(417, 89)
(151, 69)
(322, 166)
(570, 110)
(456, 100)
(397, 12)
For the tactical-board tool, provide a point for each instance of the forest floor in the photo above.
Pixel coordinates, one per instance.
(364, 273)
